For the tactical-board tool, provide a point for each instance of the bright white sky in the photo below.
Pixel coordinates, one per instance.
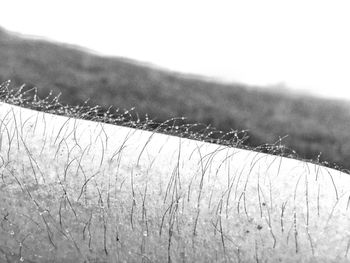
(304, 44)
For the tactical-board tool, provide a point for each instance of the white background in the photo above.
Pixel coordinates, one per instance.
(304, 44)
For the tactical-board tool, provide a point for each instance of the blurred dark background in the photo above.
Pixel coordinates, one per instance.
(313, 125)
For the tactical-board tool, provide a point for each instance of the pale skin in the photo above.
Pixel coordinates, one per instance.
(82, 190)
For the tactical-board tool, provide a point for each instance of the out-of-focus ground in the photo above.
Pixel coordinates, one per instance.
(313, 125)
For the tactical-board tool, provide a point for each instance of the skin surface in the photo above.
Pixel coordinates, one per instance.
(78, 190)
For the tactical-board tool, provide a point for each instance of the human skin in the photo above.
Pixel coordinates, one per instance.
(81, 190)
